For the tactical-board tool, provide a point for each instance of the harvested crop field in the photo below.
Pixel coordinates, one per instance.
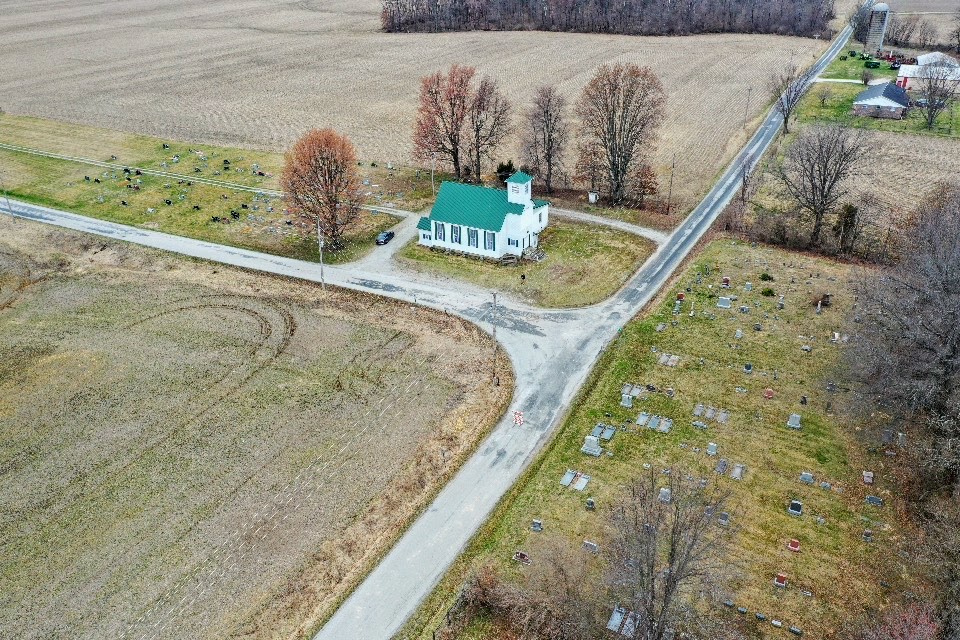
(239, 73)
(189, 451)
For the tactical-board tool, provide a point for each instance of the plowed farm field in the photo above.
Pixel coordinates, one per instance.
(189, 451)
(254, 74)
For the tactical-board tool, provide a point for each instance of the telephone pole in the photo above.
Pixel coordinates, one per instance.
(673, 167)
(493, 321)
(746, 110)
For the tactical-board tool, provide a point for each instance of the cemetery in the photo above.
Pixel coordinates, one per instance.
(221, 194)
(812, 529)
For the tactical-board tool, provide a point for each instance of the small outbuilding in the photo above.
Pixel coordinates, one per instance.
(882, 101)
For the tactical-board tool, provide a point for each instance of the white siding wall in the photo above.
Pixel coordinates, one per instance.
(515, 227)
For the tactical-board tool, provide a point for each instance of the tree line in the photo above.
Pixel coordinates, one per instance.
(632, 17)
(462, 120)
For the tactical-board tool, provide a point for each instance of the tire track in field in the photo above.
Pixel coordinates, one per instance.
(213, 568)
(234, 380)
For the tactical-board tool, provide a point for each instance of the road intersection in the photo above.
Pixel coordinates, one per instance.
(552, 352)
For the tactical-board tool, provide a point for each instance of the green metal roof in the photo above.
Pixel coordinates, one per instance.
(424, 224)
(473, 206)
(519, 177)
(540, 203)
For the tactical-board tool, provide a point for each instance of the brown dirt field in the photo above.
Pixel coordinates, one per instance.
(237, 72)
(211, 451)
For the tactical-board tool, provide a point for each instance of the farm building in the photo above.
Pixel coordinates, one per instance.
(877, 27)
(937, 58)
(486, 222)
(911, 76)
(882, 101)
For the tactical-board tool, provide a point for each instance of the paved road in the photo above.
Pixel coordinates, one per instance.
(552, 353)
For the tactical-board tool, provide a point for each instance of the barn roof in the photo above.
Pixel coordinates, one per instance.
(888, 90)
(937, 57)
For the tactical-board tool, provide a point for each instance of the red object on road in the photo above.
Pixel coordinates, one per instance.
(518, 418)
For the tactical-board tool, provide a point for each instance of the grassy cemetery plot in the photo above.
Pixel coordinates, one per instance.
(184, 202)
(584, 265)
(739, 394)
(194, 451)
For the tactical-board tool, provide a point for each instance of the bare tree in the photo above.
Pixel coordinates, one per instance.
(666, 551)
(546, 134)
(926, 34)
(937, 88)
(906, 352)
(786, 90)
(322, 184)
(442, 112)
(823, 94)
(817, 168)
(488, 122)
(900, 29)
(859, 19)
(620, 110)
(955, 34)
(866, 77)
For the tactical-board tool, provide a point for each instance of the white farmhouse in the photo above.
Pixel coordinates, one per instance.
(485, 222)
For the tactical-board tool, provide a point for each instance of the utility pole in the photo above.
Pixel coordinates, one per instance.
(747, 109)
(673, 166)
(321, 241)
(493, 321)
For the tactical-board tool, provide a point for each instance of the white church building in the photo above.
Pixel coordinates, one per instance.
(483, 221)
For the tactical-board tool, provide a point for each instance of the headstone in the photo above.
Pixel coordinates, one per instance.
(581, 484)
(738, 471)
(626, 400)
(806, 477)
(780, 581)
(567, 478)
(795, 508)
(592, 547)
(665, 425)
(665, 495)
(597, 430)
(642, 418)
(748, 368)
(868, 477)
(875, 501)
(723, 303)
(739, 334)
(616, 619)
(793, 422)
(591, 504)
(536, 525)
(607, 434)
(721, 466)
(697, 410)
(804, 400)
(723, 416)
(724, 519)
(826, 486)
(748, 286)
(654, 422)
(712, 449)
(776, 623)
(591, 446)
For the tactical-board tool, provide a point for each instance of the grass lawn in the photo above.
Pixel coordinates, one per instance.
(853, 68)
(261, 223)
(584, 265)
(841, 571)
(838, 108)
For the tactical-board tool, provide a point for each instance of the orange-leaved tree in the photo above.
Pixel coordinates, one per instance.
(322, 184)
